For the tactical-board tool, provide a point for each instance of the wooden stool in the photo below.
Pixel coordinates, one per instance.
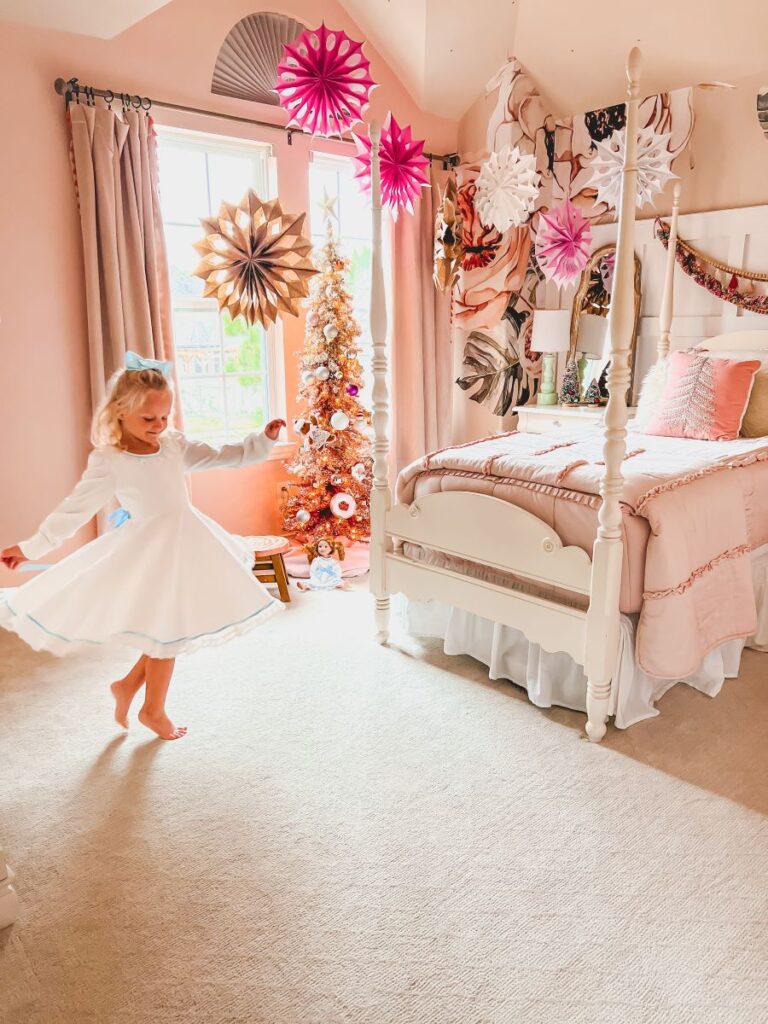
(269, 566)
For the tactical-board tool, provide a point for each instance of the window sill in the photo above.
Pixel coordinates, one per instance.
(282, 450)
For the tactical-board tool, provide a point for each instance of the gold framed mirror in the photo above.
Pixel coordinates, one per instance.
(594, 296)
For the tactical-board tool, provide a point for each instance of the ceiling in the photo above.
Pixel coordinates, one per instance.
(101, 18)
(446, 50)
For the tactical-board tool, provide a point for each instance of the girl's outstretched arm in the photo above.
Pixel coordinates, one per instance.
(254, 448)
(92, 492)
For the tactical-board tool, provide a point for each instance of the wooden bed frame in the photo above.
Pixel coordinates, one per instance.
(495, 533)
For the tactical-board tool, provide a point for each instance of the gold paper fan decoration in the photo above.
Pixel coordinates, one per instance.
(255, 260)
(448, 231)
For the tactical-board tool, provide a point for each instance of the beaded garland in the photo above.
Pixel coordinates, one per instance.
(694, 265)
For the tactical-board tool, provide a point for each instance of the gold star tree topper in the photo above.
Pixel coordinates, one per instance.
(255, 260)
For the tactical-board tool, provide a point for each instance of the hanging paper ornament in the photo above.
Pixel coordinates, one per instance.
(302, 516)
(563, 242)
(654, 168)
(323, 81)
(358, 471)
(343, 505)
(322, 373)
(330, 332)
(337, 480)
(401, 162)
(339, 420)
(449, 225)
(255, 260)
(318, 437)
(507, 188)
(352, 389)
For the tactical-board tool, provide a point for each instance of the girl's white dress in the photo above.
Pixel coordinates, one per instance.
(166, 582)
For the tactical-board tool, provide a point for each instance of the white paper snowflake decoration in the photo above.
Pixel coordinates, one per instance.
(506, 189)
(654, 168)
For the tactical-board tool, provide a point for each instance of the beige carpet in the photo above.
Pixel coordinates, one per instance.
(377, 836)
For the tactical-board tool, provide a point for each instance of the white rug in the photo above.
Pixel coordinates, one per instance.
(376, 836)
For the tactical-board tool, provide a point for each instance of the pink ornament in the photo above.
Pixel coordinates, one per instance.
(402, 165)
(323, 81)
(563, 242)
(343, 505)
(352, 389)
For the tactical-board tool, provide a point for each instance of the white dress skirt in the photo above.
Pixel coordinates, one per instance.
(169, 580)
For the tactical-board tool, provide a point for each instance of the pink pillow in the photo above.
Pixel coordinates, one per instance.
(703, 398)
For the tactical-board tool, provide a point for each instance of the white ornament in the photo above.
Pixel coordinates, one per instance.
(322, 373)
(306, 376)
(330, 332)
(358, 471)
(506, 189)
(339, 420)
(654, 168)
(302, 516)
(343, 505)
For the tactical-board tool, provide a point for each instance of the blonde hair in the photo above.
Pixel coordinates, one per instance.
(125, 391)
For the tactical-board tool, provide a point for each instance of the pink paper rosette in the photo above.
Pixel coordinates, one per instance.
(563, 243)
(323, 81)
(403, 165)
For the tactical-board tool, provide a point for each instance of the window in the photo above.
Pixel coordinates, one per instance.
(231, 378)
(334, 175)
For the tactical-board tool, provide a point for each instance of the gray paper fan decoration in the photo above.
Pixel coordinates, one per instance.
(246, 66)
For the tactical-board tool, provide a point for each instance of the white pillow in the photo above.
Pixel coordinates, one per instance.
(650, 392)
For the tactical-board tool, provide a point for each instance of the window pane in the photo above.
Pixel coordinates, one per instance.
(198, 349)
(231, 175)
(247, 403)
(183, 183)
(203, 403)
(245, 348)
(182, 260)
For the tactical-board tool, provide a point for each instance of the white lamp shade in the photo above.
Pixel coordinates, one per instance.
(551, 330)
(590, 340)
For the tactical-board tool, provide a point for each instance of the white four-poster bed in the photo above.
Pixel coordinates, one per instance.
(496, 534)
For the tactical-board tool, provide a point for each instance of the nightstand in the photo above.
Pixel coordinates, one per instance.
(543, 419)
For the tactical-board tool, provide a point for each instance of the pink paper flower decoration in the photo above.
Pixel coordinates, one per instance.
(563, 241)
(402, 165)
(323, 81)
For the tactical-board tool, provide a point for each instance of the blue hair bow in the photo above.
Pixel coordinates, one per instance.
(136, 362)
(118, 517)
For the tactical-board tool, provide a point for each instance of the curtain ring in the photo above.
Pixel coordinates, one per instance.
(126, 100)
(136, 102)
(146, 103)
(109, 97)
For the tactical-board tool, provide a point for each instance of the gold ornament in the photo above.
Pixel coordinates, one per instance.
(448, 230)
(255, 260)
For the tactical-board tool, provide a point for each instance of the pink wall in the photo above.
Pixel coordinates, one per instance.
(44, 410)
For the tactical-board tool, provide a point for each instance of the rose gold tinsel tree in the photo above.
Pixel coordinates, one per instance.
(330, 497)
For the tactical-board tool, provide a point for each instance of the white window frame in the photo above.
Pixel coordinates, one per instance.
(207, 142)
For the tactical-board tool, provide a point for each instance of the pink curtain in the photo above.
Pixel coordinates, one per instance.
(127, 286)
(419, 336)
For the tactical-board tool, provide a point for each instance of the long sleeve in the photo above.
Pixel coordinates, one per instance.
(255, 448)
(91, 493)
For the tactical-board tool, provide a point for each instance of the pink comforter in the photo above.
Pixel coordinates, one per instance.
(699, 507)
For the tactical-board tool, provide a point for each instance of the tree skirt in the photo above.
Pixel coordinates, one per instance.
(356, 563)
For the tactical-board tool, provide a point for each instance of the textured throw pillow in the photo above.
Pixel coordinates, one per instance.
(651, 391)
(703, 398)
(755, 422)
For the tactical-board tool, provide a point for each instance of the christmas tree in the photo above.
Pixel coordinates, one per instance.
(592, 394)
(330, 497)
(569, 389)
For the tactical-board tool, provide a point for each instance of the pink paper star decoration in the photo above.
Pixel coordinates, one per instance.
(323, 81)
(402, 163)
(563, 241)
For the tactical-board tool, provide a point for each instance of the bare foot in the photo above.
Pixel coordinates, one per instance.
(123, 697)
(162, 725)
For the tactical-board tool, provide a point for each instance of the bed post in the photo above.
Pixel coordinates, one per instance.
(665, 313)
(381, 496)
(602, 627)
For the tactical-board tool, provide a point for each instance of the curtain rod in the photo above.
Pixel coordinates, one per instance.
(69, 88)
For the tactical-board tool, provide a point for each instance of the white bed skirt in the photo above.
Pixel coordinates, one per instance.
(556, 679)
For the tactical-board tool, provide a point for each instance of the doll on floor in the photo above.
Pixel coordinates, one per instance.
(325, 557)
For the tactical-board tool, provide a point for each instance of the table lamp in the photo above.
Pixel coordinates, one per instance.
(590, 341)
(551, 334)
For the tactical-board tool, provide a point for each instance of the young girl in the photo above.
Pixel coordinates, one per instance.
(167, 581)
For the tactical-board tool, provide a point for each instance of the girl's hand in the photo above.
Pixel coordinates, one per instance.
(13, 557)
(273, 428)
